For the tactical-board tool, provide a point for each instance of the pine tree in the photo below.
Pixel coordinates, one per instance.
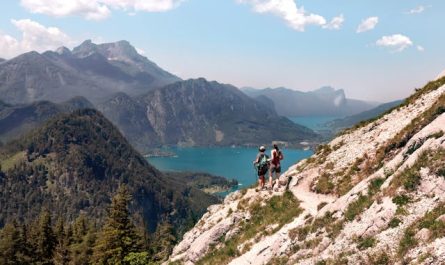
(164, 241)
(118, 237)
(9, 243)
(43, 239)
(61, 252)
(83, 235)
(13, 245)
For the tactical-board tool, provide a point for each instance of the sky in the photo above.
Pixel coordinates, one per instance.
(377, 50)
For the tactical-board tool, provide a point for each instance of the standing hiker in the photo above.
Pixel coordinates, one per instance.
(275, 164)
(261, 164)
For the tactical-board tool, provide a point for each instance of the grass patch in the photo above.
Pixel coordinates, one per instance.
(11, 161)
(380, 258)
(394, 222)
(366, 242)
(278, 210)
(357, 207)
(401, 200)
(324, 184)
(321, 205)
(410, 178)
(429, 221)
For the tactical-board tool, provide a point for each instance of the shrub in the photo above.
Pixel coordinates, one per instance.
(394, 222)
(357, 207)
(366, 242)
(401, 200)
(324, 184)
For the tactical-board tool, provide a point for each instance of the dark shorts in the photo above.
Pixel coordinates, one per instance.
(274, 168)
(262, 172)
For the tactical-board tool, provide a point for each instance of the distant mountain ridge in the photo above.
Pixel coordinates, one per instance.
(199, 112)
(150, 106)
(349, 121)
(16, 120)
(325, 101)
(90, 70)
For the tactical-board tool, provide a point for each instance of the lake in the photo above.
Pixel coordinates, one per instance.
(229, 162)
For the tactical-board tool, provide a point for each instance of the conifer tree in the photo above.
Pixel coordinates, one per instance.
(43, 239)
(83, 235)
(118, 237)
(164, 241)
(9, 244)
(61, 252)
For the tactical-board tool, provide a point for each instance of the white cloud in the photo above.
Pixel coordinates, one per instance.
(420, 48)
(295, 17)
(417, 10)
(96, 9)
(335, 23)
(35, 37)
(398, 42)
(368, 24)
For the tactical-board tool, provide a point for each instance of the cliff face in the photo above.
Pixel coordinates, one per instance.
(373, 195)
(197, 112)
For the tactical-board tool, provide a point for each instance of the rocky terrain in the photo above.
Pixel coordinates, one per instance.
(373, 195)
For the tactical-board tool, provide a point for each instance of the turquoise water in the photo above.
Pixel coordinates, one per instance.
(232, 163)
(315, 123)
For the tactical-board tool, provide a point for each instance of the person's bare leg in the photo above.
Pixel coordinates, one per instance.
(270, 179)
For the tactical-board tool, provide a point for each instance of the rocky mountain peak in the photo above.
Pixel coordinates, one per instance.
(85, 49)
(63, 51)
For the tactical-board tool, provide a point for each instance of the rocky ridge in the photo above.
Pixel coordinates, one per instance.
(373, 195)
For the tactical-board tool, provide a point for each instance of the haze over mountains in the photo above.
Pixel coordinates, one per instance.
(325, 101)
(89, 70)
(198, 112)
(150, 106)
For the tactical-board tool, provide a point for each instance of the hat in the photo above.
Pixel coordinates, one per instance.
(262, 148)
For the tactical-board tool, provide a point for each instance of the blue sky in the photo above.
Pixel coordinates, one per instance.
(258, 43)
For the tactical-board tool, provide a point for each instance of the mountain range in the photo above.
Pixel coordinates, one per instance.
(150, 106)
(198, 112)
(326, 101)
(89, 70)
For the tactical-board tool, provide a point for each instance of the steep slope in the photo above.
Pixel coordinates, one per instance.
(198, 112)
(90, 70)
(346, 122)
(16, 120)
(374, 195)
(76, 162)
(325, 101)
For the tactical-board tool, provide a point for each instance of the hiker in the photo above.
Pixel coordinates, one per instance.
(275, 164)
(261, 164)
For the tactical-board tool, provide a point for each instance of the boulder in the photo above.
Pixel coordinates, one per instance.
(423, 235)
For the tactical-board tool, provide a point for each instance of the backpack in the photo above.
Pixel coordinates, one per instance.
(263, 164)
(277, 157)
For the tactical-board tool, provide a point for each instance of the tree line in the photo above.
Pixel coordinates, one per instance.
(81, 242)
